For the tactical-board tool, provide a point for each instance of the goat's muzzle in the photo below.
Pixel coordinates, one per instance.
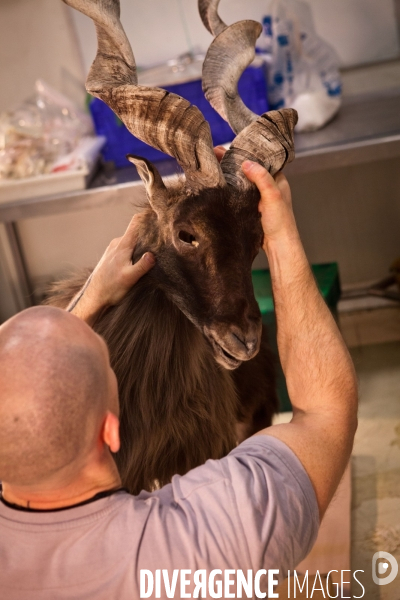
(233, 345)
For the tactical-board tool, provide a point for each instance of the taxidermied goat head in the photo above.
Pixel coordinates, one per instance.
(206, 232)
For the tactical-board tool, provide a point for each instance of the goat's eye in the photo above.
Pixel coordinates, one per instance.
(188, 238)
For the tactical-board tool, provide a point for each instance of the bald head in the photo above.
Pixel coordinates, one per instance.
(55, 389)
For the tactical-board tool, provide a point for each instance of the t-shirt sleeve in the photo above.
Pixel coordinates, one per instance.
(254, 509)
(276, 503)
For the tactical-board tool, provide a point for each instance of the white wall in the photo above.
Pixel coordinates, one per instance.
(37, 40)
(361, 31)
(57, 245)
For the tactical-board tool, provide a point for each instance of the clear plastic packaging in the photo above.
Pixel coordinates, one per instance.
(35, 135)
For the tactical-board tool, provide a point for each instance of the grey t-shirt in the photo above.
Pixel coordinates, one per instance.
(254, 509)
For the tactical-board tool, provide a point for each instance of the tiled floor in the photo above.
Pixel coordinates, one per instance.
(376, 463)
(373, 337)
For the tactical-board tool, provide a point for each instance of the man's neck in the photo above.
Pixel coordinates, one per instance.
(92, 481)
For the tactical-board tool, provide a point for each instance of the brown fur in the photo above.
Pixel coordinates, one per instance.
(179, 407)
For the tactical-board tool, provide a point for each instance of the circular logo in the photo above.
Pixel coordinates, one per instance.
(387, 564)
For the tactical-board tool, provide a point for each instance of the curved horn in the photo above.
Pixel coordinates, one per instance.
(208, 10)
(163, 120)
(228, 56)
(267, 139)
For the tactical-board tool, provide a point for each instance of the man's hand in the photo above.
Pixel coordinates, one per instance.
(113, 276)
(275, 206)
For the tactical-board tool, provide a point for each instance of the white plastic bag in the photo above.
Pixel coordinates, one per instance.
(303, 69)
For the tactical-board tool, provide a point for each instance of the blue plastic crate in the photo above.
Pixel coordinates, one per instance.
(252, 89)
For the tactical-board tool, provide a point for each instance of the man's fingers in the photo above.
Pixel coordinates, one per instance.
(129, 238)
(142, 266)
(219, 152)
(149, 259)
(114, 243)
(260, 176)
(280, 178)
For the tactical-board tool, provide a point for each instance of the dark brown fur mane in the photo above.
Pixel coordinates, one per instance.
(166, 368)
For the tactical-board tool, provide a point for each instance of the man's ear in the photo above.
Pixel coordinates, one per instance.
(155, 188)
(111, 432)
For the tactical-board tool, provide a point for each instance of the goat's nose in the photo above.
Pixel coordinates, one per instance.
(250, 343)
(246, 341)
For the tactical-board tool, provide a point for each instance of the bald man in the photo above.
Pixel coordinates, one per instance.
(68, 530)
(57, 393)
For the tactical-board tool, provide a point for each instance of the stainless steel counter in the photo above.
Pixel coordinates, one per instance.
(367, 129)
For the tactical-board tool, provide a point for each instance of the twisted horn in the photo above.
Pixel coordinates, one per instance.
(208, 10)
(266, 139)
(228, 56)
(163, 120)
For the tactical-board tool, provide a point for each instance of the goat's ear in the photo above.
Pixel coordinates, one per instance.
(155, 188)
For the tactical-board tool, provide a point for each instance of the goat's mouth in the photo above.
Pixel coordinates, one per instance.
(223, 357)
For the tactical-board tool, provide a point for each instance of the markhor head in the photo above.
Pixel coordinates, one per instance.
(206, 231)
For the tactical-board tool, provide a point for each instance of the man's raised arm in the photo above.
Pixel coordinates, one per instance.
(319, 372)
